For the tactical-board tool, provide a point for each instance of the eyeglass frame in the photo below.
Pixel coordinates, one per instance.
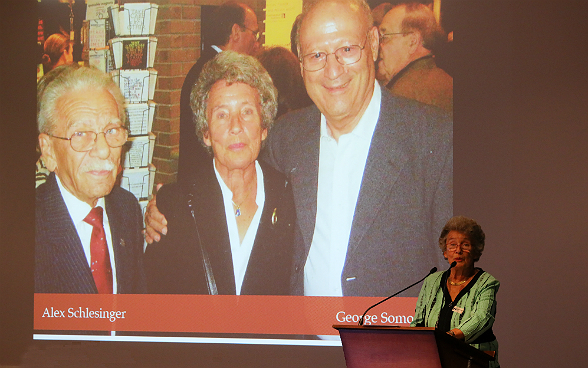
(256, 34)
(453, 248)
(125, 129)
(384, 35)
(361, 48)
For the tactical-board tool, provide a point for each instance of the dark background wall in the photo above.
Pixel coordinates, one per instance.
(521, 170)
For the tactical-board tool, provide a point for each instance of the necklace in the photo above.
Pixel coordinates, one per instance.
(238, 210)
(461, 282)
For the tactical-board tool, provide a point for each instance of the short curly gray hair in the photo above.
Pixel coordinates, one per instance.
(468, 227)
(69, 79)
(233, 67)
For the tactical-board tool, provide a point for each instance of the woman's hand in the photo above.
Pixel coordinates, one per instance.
(456, 332)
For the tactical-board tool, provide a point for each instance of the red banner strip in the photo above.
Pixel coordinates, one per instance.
(301, 315)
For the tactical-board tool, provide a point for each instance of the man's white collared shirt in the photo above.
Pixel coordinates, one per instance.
(241, 252)
(341, 166)
(78, 210)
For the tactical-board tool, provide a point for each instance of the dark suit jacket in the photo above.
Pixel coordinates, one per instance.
(404, 201)
(174, 265)
(192, 154)
(60, 262)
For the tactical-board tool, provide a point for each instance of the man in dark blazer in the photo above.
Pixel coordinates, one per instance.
(81, 122)
(234, 27)
(60, 262)
(405, 197)
(406, 187)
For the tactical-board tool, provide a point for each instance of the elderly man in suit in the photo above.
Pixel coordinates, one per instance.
(88, 231)
(371, 173)
(235, 28)
(409, 34)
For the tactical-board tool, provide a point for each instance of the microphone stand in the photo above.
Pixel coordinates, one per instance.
(433, 270)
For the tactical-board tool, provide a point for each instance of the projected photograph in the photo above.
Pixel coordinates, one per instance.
(248, 173)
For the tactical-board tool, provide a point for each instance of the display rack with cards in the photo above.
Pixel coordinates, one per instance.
(134, 19)
(95, 34)
(133, 52)
(119, 39)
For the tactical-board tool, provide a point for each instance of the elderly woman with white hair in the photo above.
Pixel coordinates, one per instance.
(231, 230)
(462, 300)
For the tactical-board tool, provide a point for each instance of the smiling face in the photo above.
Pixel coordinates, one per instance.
(459, 249)
(87, 175)
(234, 126)
(341, 92)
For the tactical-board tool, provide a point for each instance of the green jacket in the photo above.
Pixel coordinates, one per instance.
(478, 305)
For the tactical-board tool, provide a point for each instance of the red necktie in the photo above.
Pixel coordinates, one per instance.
(100, 262)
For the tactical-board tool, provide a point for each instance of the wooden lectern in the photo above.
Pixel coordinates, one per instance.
(406, 347)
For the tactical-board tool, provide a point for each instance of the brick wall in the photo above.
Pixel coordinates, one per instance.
(178, 48)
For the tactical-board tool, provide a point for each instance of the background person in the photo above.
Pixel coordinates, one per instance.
(379, 11)
(461, 301)
(236, 29)
(88, 230)
(58, 50)
(284, 68)
(230, 230)
(409, 36)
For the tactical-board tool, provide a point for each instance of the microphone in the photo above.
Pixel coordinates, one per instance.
(452, 264)
(433, 270)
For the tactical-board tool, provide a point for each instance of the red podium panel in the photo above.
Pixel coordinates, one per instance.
(406, 347)
(379, 347)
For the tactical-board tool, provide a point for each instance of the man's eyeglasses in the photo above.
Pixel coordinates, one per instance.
(345, 55)
(385, 37)
(85, 141)
(255, 33)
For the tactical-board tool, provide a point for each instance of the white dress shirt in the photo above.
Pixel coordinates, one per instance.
(78, 210)
(241, 251)
(341, 166)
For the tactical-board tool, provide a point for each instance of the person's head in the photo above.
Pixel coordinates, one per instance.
(284, 69)
(407, 32)
(57, 50)
(234, 103)
(459, 232)
(81, 121)
(337, 47)
(379, 11)
(235, 28)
